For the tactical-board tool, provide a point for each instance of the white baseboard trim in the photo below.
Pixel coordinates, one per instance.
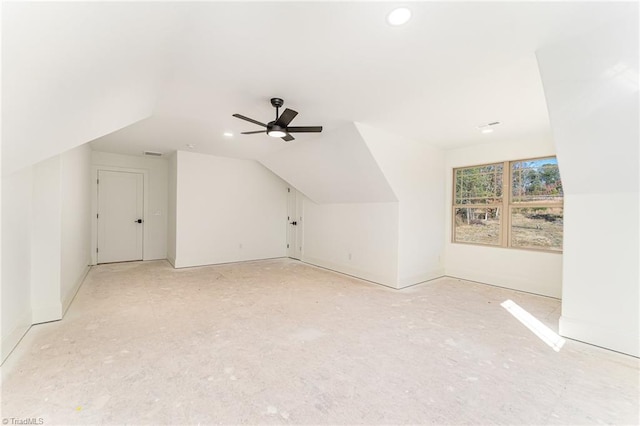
(172, 261)
(176, 265)
(11, 341)
(420, 278)
(387, 281)
(510, 282)
(71, 294)
(41, 314)
(621, 340)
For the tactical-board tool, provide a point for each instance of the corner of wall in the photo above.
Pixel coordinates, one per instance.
(52, 311)
(429, 275)
(71, 294)
(596, 334)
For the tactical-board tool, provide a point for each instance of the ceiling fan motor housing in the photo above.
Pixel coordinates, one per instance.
(277, 102)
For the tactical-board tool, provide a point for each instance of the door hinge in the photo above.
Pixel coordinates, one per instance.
(287, 245)
(98, 181)
(96, 249)
(288, 189)
(97, 215)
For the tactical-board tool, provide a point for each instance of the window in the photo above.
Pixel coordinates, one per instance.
(529, 191)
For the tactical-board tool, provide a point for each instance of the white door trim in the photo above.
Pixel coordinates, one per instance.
(94, 206)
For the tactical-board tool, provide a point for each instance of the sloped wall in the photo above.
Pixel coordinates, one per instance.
(80, 79)
(415, 172)
(350, 212)
(335, 167)
(591, 84)
(391, 188)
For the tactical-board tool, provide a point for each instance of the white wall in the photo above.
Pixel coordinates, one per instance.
(600, 297)
(359, 239)
(227, 210)
(591, 84)
(525, 270)
(415, 172)
(46, 236)
(16, 258)
(171, 210)
(156, 170)
(373, 194)
(350, 212)
(46, 239)
(75, 245)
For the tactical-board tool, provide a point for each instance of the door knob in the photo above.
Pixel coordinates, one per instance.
(294, 223)
(138, 221)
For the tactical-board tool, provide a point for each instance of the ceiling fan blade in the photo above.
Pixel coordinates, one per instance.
(286, 117)
(251, 133)
(288, 138)
(251, 120)
(304, 129)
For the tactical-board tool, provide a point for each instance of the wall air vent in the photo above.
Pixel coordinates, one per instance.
(152, 153)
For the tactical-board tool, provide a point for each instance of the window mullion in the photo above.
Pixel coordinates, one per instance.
(506, 199)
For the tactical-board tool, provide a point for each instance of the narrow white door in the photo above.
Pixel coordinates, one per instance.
(294, 221)
(120, 216)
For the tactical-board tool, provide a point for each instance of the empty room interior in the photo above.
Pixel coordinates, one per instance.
(320, 213)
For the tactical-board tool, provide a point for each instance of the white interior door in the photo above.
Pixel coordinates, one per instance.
(120, 216)
(294, 222)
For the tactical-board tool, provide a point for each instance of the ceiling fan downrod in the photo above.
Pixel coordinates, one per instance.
(277, 103)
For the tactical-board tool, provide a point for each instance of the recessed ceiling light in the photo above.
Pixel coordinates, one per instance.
(190, 146)
(227, 134)
(487, 130)
(399, 16)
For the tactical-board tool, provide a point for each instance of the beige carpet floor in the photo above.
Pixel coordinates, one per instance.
(281, 342)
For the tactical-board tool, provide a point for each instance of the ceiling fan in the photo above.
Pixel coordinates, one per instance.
(279, 128)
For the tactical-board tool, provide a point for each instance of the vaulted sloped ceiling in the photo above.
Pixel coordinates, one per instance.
(134, 76)
(335, 168)
(72, 72)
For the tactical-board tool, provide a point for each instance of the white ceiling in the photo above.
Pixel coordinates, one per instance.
(453, 67)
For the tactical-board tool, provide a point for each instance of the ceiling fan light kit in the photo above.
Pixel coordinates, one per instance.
(279, 128)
